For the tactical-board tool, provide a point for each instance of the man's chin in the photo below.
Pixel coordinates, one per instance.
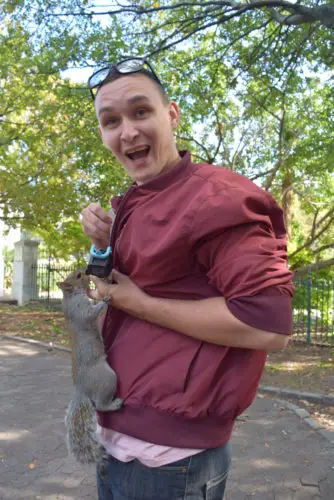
(141, 173)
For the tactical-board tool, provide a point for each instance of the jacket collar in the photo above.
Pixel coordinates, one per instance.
(181, 170)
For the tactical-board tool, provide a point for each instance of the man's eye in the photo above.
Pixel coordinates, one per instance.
(112, 121)
(141, 112)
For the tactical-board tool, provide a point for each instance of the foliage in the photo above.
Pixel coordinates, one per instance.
(51, 161)
(8, 257)
(314, 296)
(253, 91)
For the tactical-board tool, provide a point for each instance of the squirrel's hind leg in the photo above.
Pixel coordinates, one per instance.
(100, 387)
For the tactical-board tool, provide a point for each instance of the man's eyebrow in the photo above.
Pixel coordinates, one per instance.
(132, 100)
(105, 109)
(137, 98)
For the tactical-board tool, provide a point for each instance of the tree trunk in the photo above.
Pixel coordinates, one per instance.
(287, 198)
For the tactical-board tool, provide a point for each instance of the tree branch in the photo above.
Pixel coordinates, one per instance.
(328, 214)
(272, 176)
(314, 223)
(300, 14)
(262, 174)
(318, 265)
(323, 13)
(312, 239)
(323, 248)
(239, 149)
(191, 139)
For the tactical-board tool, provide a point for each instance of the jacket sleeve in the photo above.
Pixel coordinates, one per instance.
(239, 238)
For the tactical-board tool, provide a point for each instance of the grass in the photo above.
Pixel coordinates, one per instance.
(34, 321)
(299, 366)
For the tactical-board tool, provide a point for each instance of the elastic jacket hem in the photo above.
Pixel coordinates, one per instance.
(169, 429)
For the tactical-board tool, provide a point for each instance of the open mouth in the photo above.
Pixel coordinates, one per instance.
(139, 153)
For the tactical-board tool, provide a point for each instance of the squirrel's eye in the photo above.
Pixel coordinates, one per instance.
(78, 276)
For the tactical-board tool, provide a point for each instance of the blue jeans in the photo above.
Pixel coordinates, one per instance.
(199, 477)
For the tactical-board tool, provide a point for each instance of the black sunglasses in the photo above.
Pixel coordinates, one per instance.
(125, 67)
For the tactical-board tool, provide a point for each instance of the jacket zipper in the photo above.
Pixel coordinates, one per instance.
(114, 228)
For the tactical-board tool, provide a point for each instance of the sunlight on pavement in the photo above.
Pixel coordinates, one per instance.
(13, 435)
(17, 349)
(267, 463)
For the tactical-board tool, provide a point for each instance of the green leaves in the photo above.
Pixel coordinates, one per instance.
(52, 163)
(253, 92)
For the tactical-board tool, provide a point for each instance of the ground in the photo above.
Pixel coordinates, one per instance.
(303, 367)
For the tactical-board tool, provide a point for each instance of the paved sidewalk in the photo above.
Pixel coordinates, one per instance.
(276, 456)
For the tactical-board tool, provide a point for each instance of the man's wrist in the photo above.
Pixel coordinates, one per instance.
(145, 307)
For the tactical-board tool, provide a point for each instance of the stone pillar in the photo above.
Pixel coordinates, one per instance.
(24, 286)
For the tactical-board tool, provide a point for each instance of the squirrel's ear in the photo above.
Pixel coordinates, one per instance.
(65, 286)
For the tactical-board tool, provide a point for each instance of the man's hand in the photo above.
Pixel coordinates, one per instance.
(97, 224)
(124, 294)
(207, 319)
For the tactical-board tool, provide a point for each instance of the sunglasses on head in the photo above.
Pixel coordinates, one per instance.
(125, 67)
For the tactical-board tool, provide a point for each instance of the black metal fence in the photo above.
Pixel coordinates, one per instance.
(313, 310)
(44, 282)
(313, 303)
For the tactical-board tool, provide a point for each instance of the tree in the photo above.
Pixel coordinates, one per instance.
(8, 257)
(246, 76)
(51, 160)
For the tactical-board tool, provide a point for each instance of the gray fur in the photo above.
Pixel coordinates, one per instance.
(80, 421)
(95, 381)
(94, 377)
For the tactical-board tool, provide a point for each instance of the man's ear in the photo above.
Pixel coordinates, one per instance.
(101, 135)
(174, 113)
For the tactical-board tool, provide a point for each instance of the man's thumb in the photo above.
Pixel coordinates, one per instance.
(117, 276)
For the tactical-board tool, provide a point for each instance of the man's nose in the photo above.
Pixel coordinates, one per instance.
(129, 131)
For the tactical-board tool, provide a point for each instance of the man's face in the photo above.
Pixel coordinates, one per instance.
(136, 125)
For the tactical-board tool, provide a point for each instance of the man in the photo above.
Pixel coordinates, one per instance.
(200, 293)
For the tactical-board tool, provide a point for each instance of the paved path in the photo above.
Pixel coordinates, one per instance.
(276, 455)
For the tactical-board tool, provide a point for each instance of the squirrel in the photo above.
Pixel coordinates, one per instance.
(94, 380)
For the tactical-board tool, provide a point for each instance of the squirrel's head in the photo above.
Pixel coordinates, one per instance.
(78, 280)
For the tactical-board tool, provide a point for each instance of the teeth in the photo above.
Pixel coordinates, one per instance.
(136, 150)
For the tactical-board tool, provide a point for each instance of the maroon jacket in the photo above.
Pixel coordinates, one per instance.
(193, 232)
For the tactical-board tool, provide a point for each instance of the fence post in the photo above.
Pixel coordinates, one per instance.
(2, 271)
(49, 279)
(25, 257)
(309, 306)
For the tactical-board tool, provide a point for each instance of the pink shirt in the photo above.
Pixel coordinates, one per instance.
(126, 448)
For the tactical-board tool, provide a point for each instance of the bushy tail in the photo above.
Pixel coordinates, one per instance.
(80, 421)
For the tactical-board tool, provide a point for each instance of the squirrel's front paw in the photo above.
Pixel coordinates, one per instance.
(116, 404)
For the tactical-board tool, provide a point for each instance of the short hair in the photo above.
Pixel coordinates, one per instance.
(116, 75)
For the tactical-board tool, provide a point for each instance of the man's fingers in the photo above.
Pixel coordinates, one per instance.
(93, 294)
(97, 211)
(117, 276)
(90, 218)
(97, 281)
(97, 231)
(96, 224)
(102, 287)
